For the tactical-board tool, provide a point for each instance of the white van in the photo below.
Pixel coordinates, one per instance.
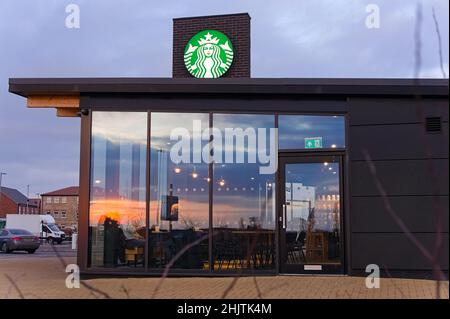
(42, 226)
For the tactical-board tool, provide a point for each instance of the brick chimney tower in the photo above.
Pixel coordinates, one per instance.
(235, 26)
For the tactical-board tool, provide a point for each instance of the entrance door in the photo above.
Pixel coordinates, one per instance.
(310, 219)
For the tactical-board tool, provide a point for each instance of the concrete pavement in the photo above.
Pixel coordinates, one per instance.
(43, 276)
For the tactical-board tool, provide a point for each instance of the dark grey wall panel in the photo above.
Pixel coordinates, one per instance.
(213, 102)
(395, 251)
(408, 177)
(418, 213)
(371, 110)
(408, 141)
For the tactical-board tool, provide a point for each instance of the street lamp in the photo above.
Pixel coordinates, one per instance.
(28, 197)
(1, 175)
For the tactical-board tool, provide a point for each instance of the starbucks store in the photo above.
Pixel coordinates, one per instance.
(213, 172)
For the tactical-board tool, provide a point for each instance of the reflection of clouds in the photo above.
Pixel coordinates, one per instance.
(191, 213)
(120, 127)
(230, 209)
(222, 121)
(123, 211)
(315, 174)
(294, 128)
(162, 125)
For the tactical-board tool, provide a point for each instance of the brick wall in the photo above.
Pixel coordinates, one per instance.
(235, 26)
(7, 206)
(56, 209)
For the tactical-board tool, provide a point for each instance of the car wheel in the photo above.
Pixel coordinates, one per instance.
(5, 248)
(31, 251)
(50, 240)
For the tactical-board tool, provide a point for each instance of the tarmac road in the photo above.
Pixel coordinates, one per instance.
(44, 251)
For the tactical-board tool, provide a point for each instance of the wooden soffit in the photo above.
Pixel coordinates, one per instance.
(66, 105)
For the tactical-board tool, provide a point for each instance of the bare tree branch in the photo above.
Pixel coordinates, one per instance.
(438, 34)
(14, 284)
(87, 286)
(174, 259)
(437, 207)
(258, 291)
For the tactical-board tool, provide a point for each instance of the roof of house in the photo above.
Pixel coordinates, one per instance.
(68, 191)
(14, 195)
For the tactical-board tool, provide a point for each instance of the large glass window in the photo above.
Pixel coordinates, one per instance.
(179, 192)
(311, 132)
(244, 199)
(117, 203)
(242, 185)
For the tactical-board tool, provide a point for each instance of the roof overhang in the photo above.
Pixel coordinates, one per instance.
(64, 93)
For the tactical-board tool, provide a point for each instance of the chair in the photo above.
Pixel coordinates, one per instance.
(295, 242)
(317, 246)
(134, 255)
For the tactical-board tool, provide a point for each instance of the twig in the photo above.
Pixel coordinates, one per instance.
(431, 168)
(438, 34)
(14, 284)
(126, 291)
(174, 259)
(258, 291)
(239, 272)
(87, 286)
(231, 285)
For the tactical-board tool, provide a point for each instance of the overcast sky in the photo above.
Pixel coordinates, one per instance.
(307, 38)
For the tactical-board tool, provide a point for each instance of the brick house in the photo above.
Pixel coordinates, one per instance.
(62, 204)
(14, 202)
(35, 202)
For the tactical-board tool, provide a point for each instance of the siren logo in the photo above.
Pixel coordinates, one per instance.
(208, 54)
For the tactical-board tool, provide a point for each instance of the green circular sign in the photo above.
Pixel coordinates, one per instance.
(208, 54)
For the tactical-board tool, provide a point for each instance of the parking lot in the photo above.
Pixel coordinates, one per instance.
(45, 250)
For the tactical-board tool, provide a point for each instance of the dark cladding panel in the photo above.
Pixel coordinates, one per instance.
(408, 177)
(369, 110)
(419, 213)
(408, 141)
(395, 251)
(223, 103)
(235, 26)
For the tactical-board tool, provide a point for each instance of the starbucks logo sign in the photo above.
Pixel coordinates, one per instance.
(208, 54)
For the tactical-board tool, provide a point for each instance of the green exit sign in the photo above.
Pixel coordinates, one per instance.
(313, 142)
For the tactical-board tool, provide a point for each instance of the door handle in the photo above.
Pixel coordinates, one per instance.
(284, 216)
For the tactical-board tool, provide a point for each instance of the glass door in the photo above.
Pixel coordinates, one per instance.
(310, 218)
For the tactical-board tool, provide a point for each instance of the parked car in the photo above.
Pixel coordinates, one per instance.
(42, 226)
(18, 239)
